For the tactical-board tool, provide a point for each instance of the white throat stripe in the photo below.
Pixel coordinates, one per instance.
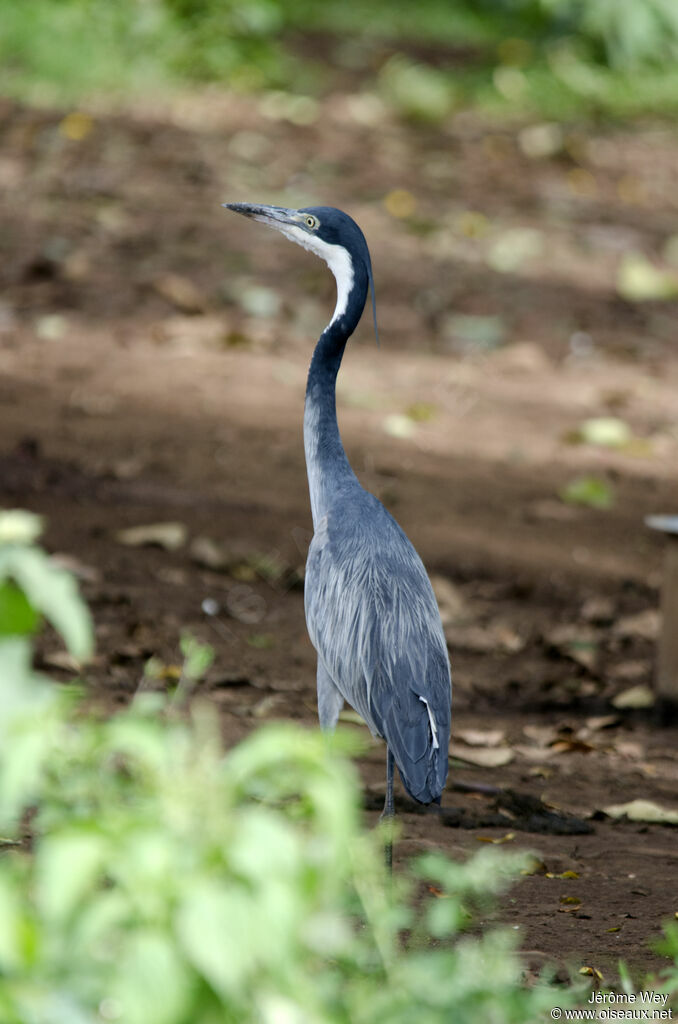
(336, 258)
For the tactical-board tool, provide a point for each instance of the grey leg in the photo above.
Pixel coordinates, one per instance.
(389, 810)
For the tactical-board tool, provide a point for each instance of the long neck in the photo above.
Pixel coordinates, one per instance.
(327, 467)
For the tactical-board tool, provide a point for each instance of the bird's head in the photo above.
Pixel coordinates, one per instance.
(330, 234)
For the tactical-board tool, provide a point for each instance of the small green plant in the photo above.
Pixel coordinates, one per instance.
(31, 588)
(591, 491)
(668, 946)
(169, 883)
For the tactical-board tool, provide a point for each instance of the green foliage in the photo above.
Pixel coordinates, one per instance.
(59, 49)
(558, 58)
(592, 491)
(30, 587)
(136, 44)
(197, 658)
(621, 33)
(668, 946)
(229, 40)
(17, 616)
(45, 589)
(418, 92)
(176, 885)
(168, 883)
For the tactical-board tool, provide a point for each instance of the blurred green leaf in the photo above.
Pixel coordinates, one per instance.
(417, 91)
(153, 981)
(638, 280)
(197, 656)
(67, 867)
(215, 929)
(591, 491)
(17, 616)
(51, 591)
(12, 948)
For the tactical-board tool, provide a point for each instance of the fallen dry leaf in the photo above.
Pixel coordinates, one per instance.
(571, 746)
(643, 810)
(599, 722)
(591, 972)
(483, 757)
(634, 697)
(629, 749)
(208, 552)
(576, 642)
(645, 625)
(537, 754)
(509, 837)
(481, 737)
(550, 741)
(542, 735)
(156, 670)
(170, 536)
(629, 670)
(534, 867)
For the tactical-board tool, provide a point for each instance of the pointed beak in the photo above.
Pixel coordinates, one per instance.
(275, 216)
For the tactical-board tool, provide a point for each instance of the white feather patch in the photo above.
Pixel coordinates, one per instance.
(432, 721)
(336, 258)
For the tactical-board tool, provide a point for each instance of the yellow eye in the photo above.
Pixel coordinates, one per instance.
(311, 222)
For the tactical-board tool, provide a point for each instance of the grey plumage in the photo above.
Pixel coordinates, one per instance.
(373, 619)
(371, 612)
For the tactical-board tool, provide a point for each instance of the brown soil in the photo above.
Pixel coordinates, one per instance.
(129, 396)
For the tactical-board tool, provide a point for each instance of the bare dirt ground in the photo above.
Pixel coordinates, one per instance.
(153, 351)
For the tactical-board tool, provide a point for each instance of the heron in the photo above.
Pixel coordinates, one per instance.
(370, 609)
